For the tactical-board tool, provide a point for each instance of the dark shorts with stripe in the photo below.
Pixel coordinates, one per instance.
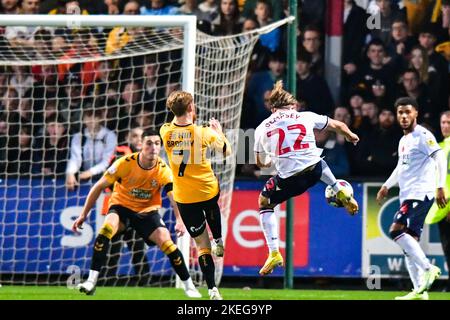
(143, 223)
(412, 214)
(278, 190)
(193, 214)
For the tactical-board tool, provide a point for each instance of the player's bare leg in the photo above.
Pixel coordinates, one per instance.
(206, 263)
(101, 246)
(270, 227)
(161, 237)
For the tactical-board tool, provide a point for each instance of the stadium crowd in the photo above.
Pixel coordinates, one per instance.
(58, 120)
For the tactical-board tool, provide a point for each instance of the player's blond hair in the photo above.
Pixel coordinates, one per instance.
(279, 98)
(178, 102)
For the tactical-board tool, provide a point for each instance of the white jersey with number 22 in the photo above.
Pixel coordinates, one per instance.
(288, 137)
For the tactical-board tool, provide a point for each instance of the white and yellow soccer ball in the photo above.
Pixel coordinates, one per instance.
(330, 194)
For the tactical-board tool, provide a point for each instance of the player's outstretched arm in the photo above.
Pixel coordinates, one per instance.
(342, 129)
(92, 197)
(180, 229)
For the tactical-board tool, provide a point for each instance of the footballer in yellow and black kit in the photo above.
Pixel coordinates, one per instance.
(195, 186)
(137, 193)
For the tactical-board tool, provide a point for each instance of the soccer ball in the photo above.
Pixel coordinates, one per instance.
(330, 195)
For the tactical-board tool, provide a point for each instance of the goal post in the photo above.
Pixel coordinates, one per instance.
(57, 82)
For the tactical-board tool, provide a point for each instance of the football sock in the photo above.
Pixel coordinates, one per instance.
(328, 177)
(214, 221)
(176, 259)
(101, 247)
(414, 272)
(269, 225)
(206, 263)
(93, 276)
(412, 249)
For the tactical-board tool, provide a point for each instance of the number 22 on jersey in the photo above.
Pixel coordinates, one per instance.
(298, 145)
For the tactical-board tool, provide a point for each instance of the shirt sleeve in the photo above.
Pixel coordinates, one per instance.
(429, 144)
(215, 140)
(320, 121)
(115, 171)
(166, 177)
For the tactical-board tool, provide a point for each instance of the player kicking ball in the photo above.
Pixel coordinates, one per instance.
(287, 138)
(138, 180)
(418, 155)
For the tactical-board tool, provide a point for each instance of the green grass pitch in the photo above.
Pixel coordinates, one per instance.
(132, 293)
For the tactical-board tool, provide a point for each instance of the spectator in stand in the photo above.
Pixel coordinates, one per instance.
(354, 35)
(312, 88)
(210, 9)
(52, 148)
(250, 5)
(399, 48)
(159, 8)
(20, 36)
(312, 42)
(120, 119)
(68, 7)
(259, 83)
(389, 11)
(90, 150)
(259, 58)
(357, 97)
(229, 20)
(263, 15)
(119, 37)
(20, 153)
(21, 79)
(378, 150)
(10, 7)
(419, 61)
(369, 113)
(413, 87)
(379, 94)
(428, 40)
(191, 7)
(334, 146)
(375, 68)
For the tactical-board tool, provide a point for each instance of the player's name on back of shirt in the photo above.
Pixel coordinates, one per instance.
(282, 116)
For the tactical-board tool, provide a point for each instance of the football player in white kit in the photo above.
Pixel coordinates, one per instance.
(287, 138)
(418, 156)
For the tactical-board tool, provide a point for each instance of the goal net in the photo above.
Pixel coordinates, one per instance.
(94, 87)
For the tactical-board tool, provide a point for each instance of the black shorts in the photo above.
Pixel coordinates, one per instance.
(193, 214)
(278, 190)
(412, 214)
(143, 223)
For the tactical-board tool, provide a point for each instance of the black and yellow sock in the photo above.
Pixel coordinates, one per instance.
(207, 266)
(101, 247)
(214, 219)
(176, 259)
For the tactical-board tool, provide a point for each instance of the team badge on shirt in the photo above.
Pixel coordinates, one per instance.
(431, 142)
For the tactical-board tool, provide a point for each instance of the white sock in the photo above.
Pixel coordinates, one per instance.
(414, 272)
(188, 284)
(328, 177)
(93, 276)
(412, 248)
(269, 225)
